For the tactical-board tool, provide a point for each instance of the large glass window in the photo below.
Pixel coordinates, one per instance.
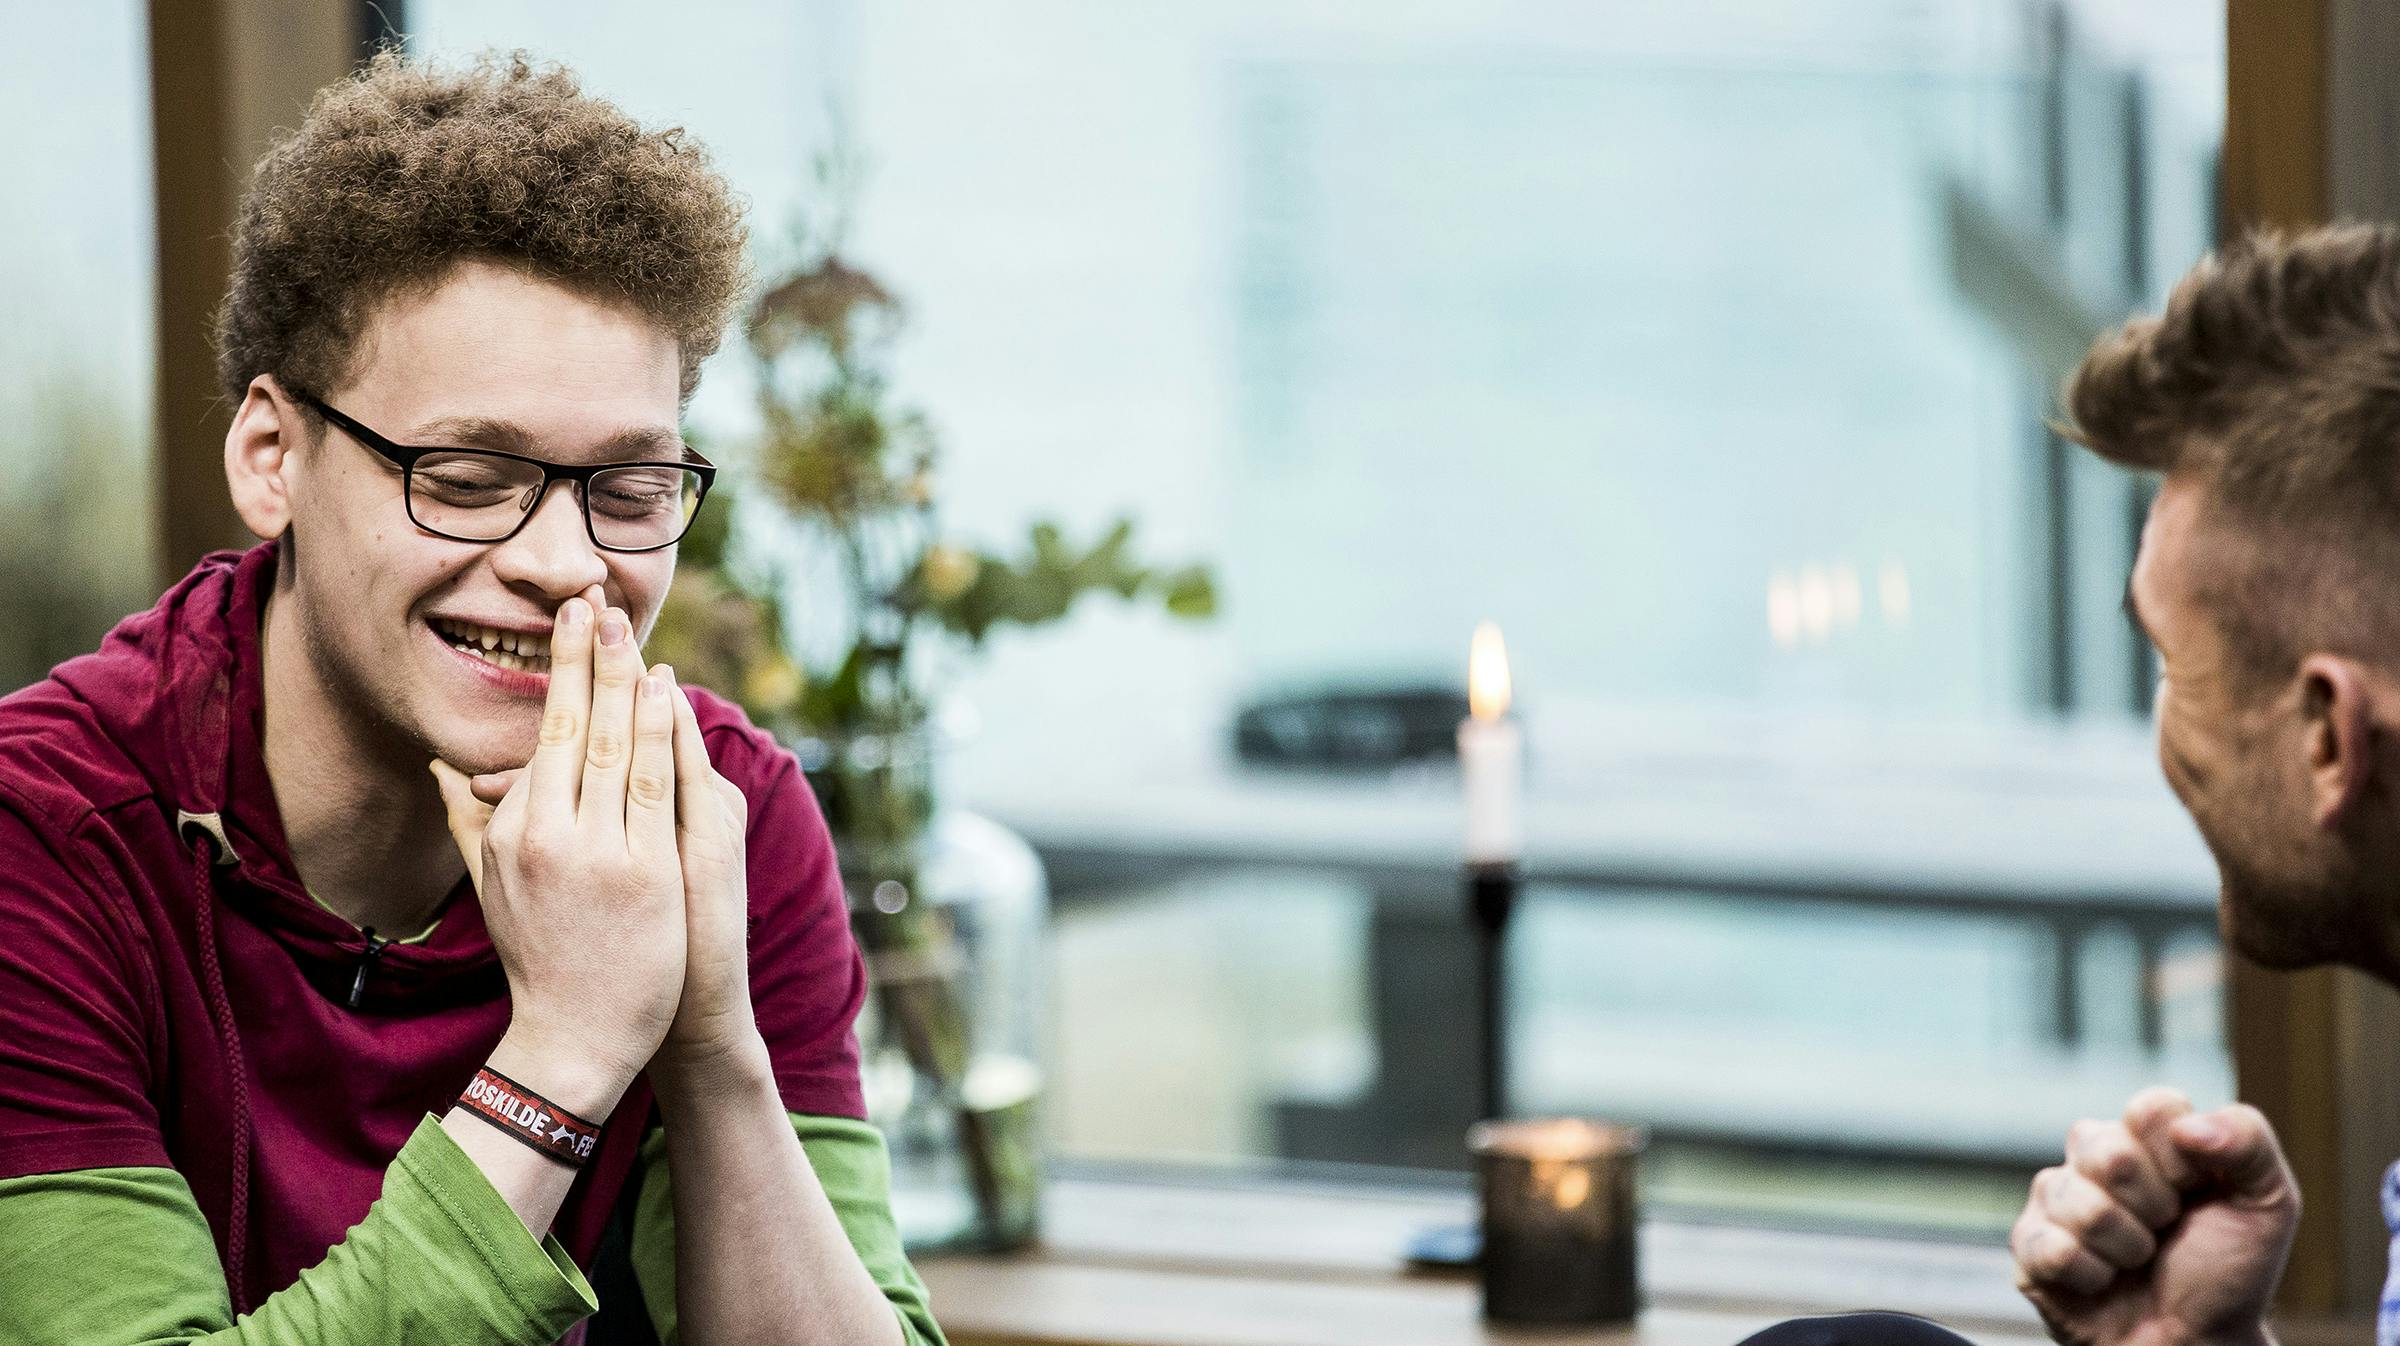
(1707, 348)
(79, 283)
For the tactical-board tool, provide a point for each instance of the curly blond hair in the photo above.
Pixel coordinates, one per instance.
(405, 169)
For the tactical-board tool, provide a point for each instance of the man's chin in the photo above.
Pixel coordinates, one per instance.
(2283, 934)
(480, 753)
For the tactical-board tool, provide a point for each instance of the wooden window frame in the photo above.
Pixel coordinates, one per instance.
(2308, 100)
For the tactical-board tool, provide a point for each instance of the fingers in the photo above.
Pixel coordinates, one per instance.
(2098, 1214)
(2051, 1260)
(2149, 1117)
(557, 766)
(2108, 1155)
(2087, 1212)
(608, 747)
(468, 817)
(694, 783)
(2236, 1147)
(493, 786)
(650, 788)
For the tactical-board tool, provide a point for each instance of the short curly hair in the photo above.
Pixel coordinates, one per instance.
(406, 169)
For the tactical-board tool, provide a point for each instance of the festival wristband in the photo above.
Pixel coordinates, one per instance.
(530, 1117)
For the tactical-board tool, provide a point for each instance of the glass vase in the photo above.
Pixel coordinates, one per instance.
(950, 909)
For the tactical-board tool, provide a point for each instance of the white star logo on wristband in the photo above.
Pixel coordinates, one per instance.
(561, 1133)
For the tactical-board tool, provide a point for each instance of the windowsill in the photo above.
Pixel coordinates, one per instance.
(1155, 1263)
(2005, 817)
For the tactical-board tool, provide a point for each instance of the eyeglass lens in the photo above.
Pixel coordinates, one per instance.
(482, 498)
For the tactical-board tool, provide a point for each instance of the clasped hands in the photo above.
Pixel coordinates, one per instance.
(610, 867)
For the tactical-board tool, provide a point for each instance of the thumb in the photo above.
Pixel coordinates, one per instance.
(2236, 1147)
(468, 816)
(492, 787)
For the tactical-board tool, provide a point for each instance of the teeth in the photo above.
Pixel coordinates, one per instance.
(506, 649)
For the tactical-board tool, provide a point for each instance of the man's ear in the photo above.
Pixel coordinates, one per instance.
(2338, 725)
(266, 428)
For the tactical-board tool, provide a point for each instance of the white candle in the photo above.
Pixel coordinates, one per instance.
(1491, 756)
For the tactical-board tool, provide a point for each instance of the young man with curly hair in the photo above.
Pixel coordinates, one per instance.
(377, 932)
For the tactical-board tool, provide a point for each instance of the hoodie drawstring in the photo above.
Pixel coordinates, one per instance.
(366, 964)
(237, 1220)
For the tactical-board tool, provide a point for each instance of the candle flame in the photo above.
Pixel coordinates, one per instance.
(1487, 673)
(1573, 1187)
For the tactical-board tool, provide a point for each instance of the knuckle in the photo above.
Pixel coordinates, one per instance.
(2023, 1235)
(2049, 1252)
(2158, 1098)
(2116, 1165)
(607, 748)
(2064, 1261)
(2078, 1207)
(2079, 1138)
(540, 847)
(560, 725)
(2247, 1118)
(2086, 1132)
(648, 788)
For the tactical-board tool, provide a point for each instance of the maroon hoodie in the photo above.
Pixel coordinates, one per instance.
(170, 995)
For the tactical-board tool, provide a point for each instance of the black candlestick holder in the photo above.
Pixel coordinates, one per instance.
(1491, 900)
(1491, 889)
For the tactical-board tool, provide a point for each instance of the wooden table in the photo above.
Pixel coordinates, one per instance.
(1155, 1263)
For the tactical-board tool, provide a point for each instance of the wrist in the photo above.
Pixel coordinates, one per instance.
(2251, 1333)
(567, 1073)
(712, 1068)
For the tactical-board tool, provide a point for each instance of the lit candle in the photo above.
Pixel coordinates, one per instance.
(1491, 756)
(1560, 1220)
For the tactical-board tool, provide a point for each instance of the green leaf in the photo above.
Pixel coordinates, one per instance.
(1191, 593)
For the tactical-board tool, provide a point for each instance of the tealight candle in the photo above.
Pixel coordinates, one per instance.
(1559, 1220)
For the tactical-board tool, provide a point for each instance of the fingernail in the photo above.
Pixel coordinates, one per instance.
(613, 629)
(2207, 1133)
(573, 613)
(653, 686)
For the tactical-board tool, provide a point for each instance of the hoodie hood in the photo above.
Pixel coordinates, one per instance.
(180, 689)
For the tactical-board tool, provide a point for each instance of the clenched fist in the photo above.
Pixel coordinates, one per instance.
(2164, 1228)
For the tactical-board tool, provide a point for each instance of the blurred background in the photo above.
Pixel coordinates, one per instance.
(1704, 346)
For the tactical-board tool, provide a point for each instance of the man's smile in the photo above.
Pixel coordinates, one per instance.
(520, 652)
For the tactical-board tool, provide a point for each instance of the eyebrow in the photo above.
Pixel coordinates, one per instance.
(509, 437)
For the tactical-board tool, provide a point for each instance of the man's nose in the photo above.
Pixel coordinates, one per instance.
(553, 552)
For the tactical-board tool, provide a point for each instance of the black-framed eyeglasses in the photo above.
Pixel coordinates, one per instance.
(485, 495)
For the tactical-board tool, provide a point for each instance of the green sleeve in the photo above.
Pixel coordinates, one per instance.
(123, 1257)
(856, 1173)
